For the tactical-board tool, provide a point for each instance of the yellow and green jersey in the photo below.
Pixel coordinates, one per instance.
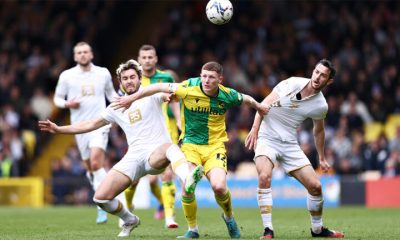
(203, 117)
(164, 77)
(160, 77)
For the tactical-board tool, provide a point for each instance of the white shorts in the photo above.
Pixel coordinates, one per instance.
(135, 163)
(288, 155)
(97, 138)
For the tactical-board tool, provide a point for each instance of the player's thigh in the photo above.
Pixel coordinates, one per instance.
(307, 176)
(192, 153)
(214, 156)
(97, 158)
(135, 164)
(113, 184)
(158, 158)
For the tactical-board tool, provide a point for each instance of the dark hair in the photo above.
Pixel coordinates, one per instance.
(213, 66)
(329, 65)
(130, 64)
(147, 47)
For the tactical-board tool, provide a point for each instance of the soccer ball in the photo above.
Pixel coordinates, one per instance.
(219, 11)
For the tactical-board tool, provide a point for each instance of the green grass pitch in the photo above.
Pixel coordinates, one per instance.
(79, 223)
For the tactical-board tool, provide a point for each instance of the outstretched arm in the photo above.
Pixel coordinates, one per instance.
(248, 100)
(81, 127)
(125, 102)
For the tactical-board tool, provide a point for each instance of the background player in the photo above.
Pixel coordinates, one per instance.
(82, 90)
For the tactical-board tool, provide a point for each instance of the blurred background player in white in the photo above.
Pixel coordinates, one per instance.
(83, 89)
(292, 101)
(147, 58)
(150, 146)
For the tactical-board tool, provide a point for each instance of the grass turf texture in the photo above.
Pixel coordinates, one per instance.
(79, 223)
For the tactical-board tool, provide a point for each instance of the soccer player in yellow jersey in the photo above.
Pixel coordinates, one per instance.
(204, 105)
(166, 196)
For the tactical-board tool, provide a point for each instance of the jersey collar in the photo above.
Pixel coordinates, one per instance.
(201, 88)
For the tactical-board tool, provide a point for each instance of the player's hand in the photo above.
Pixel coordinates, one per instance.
(47, 126)
(324, 165)
(123, 102)
(72, 103)
(169, 97)
(174, 98)
(251, 139)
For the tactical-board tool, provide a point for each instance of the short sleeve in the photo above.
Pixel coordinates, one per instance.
(62, 86)
(182, 89)
(282, 88)
(109, 91)
(320, 112)
(108, 114)
(235, 97)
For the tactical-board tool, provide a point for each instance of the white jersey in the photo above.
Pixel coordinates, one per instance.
(89, 88)
(288, 113)
(143, 122)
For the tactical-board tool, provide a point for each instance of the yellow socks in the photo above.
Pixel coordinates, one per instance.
(129, 193)
(168, 197)
(189, 206)
(225, 203)
(155, 189)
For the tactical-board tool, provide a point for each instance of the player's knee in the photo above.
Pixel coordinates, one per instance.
(95, 166)
(167, 176)
(219, 188)
(174, 153)
(96, 158)
(264, 179)
(101, 197)
(315, 188)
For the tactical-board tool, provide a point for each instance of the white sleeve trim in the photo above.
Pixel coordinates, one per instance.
(59, 102)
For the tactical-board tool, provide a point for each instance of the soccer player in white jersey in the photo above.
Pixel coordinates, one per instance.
(82, 90)
(150, 147)
(148, 59)
(292, 101)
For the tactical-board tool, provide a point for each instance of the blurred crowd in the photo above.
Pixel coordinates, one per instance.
(265, 42)
(279, 39)
(35, 47)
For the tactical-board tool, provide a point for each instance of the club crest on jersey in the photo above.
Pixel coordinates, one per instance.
(134, 116)
(87, 90)
(221, 105)
(294, 105)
